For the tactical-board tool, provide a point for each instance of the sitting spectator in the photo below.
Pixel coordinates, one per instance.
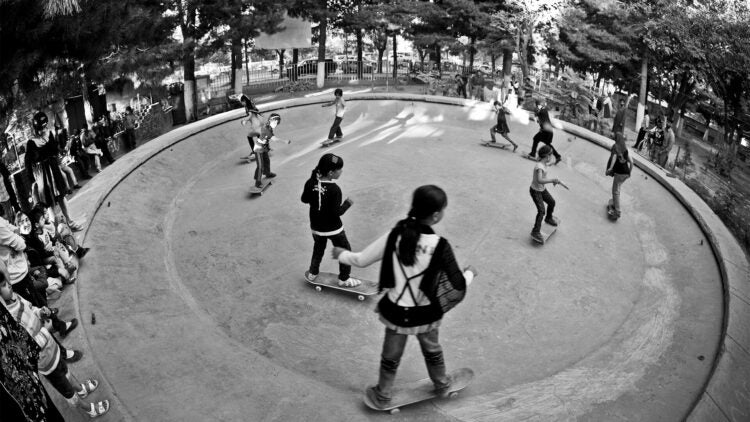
(40, 249)
(89, 147)
(51, 364)
(13, 258)
(61, 233)
(102, 134)
(63, 148)
(78, 152)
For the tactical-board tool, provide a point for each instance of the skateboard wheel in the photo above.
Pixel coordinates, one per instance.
(361, 297)
(453, 395)
(318, 288)
(394, 411)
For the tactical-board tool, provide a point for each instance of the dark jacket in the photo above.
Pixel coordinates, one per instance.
(325, 203)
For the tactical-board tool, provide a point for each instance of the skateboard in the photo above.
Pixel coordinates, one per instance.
(328, 143)
(611, 211)
(497, 145)
(547, 232)
(418, 391)
(329, 280)
(259, 191)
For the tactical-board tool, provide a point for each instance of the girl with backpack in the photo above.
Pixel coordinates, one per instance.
(422, 281)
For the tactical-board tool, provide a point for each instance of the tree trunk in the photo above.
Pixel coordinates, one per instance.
(493, 59)
(237, 65)
(438, 59)
(295, 60)
(187, 26)
(395, 59)
(473, 40)
(322, 52)
(360, 65)
(381, 51)
(507, 66)
(282, 71)
(642, 97)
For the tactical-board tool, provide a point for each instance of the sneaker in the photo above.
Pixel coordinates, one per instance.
(557, 160)
(551, 221)
(70, 326)
(310, 276)
(537, 236)
(444, 390)
(515, 147)
(533, 157)
(81, 252)
(349, 282)
(270, 175)
(375, 398)
(72, 356)
(258, 185)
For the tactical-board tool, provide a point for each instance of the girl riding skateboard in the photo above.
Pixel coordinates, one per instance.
(326, 208)
(502, 125)
(414, 258)
(262, 146)
(540, 195)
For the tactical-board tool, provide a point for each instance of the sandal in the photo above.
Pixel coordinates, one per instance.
(350, 282)
(98, 409)
(87, 387)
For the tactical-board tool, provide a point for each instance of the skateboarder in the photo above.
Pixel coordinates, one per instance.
(326, 208)
(340, 109)
(261, 147)
(619, 166)
(540, 195)
(413, 258)
(502, 125)
(252, 116)
(545, 132)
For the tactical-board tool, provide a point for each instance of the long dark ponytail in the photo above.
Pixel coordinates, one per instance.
(427, 200)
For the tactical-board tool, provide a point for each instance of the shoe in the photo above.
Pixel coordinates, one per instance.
(70, 326)
(375, 398)
(81, 252)
(349, 282)
(270, 175)
(54, 311)
(551, 221)
(531, 156)
(515, 147)
(259, 185)
(76, 227)
(69, 192)
(98, 409)
(444, 390)
(537, 236)
(557, 160)
(77, 186)
(76, 356)
(310, 277)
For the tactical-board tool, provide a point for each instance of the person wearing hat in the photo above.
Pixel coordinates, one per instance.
(261, 147)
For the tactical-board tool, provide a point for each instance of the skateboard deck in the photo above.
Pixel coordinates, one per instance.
(418, 391)
(611, 211)
(331, 281)
(547, 231)
(328, 143)
(259, 191)
(499, 145)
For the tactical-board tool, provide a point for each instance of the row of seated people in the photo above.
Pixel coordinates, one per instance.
(38, 257)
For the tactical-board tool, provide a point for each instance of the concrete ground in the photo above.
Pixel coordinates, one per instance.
(203, 314)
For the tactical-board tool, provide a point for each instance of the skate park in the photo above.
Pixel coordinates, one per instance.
(203, 313)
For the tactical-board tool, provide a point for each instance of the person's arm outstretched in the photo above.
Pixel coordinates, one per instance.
(542, 181)
(371, 254)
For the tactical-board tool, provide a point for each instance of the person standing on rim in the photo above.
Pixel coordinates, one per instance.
(413, 260)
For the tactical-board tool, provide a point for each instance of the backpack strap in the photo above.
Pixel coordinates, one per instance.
(408, 279)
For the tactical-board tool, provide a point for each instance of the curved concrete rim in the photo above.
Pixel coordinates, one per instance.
(722, 395)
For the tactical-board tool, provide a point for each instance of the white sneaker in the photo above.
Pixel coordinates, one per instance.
(349, 282)
(309, 276)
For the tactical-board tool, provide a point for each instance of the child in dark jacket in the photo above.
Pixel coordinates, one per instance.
(326, 208)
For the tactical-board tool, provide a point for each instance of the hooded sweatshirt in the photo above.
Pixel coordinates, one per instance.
(326, 208)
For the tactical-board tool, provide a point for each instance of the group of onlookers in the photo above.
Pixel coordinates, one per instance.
(39, 255)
